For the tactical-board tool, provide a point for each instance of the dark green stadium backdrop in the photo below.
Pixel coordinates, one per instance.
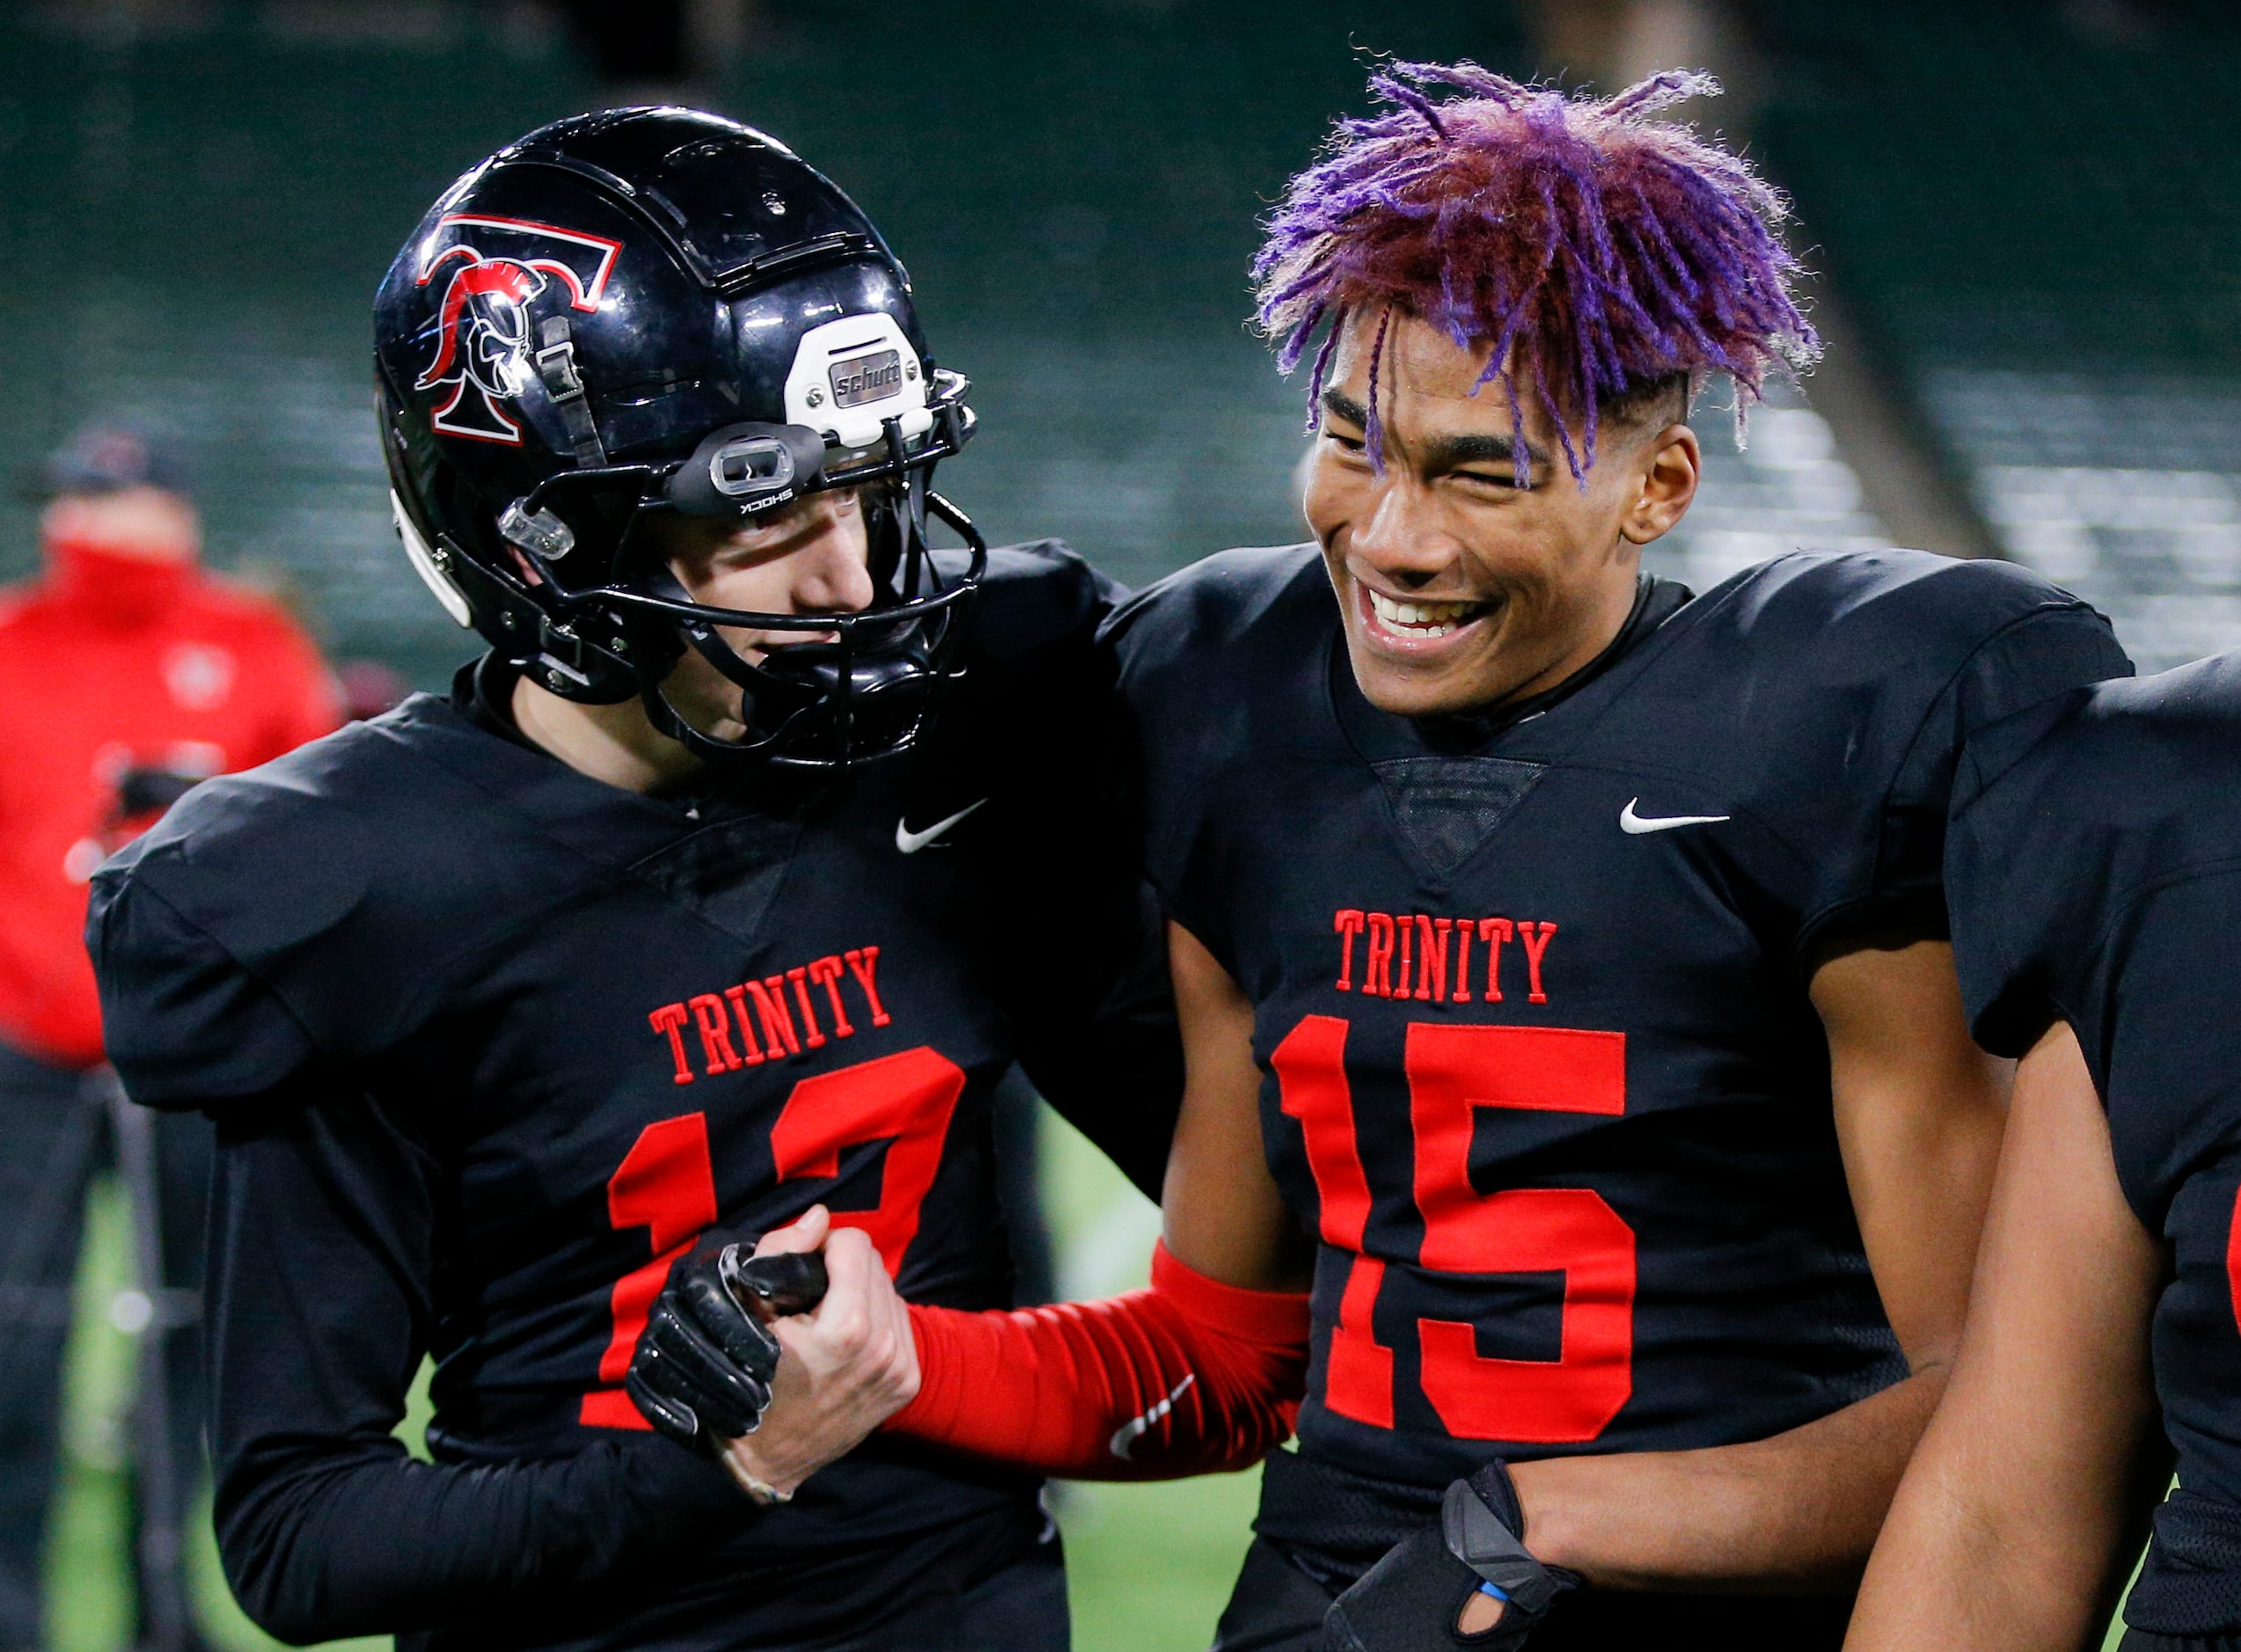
(2034, 205)
(192, 224)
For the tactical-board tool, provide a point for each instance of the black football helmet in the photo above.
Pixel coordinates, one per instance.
(655, 310)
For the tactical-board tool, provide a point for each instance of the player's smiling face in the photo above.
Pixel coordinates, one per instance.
(812, 557)
(1460, 589)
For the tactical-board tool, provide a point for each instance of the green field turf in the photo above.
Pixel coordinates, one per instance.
(1151, 1565)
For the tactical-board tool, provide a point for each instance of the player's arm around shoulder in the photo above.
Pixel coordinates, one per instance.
(2008, 1533)
(1919, 1111)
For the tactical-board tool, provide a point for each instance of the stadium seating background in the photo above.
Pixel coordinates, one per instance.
(2036, 210)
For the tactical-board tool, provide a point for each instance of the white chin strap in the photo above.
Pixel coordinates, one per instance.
(423, 561)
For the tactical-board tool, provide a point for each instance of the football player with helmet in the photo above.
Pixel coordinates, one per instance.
(725, 886)
(1564, 950)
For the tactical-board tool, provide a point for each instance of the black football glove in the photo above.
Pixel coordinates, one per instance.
(1412, 1599)
(702, 1371)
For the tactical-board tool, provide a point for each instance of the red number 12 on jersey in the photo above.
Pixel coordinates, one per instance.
(667, 1185)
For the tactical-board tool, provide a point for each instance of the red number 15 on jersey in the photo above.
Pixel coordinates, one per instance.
(1454, 1071)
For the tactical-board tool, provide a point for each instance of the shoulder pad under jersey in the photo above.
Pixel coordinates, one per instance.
(313, 910)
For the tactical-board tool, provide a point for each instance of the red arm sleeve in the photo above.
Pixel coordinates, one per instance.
(1190, 1376)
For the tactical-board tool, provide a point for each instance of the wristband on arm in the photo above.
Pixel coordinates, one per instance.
(1190, 1376)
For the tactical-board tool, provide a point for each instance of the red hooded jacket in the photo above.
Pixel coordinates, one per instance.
(114, 663)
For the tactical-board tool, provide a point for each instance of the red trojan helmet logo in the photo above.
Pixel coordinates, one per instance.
(483, 344)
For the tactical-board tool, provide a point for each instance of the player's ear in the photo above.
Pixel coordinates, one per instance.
(1669, 464)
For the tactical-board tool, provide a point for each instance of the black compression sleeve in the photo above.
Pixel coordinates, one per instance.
(318, 1315)
(325, 1543)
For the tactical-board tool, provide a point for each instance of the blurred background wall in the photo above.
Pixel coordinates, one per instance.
(202, 196)
(2024, 214)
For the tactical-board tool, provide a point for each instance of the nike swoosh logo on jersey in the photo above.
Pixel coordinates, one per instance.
(908, 841)
(1125, 1436)
(1634, 825)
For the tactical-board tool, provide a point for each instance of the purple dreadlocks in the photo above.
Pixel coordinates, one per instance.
(1593, 251)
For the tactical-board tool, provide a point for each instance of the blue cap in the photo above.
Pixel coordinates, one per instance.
(106, 455)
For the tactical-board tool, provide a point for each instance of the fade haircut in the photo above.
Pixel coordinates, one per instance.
(1603, 258)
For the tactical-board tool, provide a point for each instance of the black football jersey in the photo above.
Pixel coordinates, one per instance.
(2095, 869)
(1530, 996)
(490, 1044)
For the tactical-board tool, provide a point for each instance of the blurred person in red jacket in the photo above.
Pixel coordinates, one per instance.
(126, 673)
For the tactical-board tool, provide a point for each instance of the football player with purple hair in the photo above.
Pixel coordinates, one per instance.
(1577, 1068)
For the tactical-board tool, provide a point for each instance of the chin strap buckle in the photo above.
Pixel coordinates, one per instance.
(556, 367)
